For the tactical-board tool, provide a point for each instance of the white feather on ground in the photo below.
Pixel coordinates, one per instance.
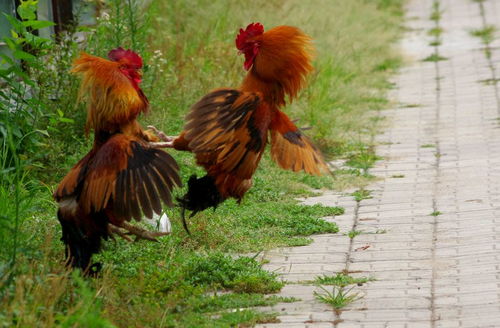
(160, 222)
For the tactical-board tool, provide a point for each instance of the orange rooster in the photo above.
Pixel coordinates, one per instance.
(228, 129)
(123, 176)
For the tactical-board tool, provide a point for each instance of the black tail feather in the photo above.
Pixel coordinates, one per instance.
(202, 193)
(184, 223)
(82, 241)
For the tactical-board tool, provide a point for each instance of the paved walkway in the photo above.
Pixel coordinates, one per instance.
(442, 156)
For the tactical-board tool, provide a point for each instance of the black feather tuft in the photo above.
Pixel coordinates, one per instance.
(202, 193)
(80, 246)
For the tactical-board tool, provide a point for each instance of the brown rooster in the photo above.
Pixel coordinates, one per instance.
(228, 129)
(123, 176)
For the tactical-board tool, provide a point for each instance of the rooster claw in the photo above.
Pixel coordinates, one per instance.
(139, 233)
(161, 134)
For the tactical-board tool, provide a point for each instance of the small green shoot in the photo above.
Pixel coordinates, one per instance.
(428, 146)
(353, 233)
(435, 31)
(338, 298)
(435, 213)
(434, 58)
(435, 43)
(486, 34)
(361, 194)
(489, 81)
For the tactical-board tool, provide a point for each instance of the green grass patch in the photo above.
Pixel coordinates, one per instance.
(342, 280)
(435, 213)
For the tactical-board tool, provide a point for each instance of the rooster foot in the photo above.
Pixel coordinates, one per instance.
(117, 231)
(161, 134)
(139, 233)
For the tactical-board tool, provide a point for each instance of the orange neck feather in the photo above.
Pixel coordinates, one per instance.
(281, 66)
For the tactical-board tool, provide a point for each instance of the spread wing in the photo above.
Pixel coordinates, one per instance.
(227, 130)
(292, 150)
(112, 99)
(126, 176)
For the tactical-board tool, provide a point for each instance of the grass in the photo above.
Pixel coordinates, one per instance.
(435, 43)
(353, 233)
(486, 34)
(338, 298)
(435, 32)
(397, 176)
(361, 194)
(435, 213)
(434, 58)
(199, 280)
(428, 146)
(342, 280)
(490, 81)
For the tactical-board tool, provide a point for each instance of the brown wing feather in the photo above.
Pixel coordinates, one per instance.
(71, 181)
(129, 177)
(227, 130)
(292, 150)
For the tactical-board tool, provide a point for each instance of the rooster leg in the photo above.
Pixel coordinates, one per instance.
(142, 233)
(161, 134)
(169, 144)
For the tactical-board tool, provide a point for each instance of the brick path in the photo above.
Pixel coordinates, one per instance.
(430, 271)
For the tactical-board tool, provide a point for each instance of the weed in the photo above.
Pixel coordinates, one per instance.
(338, 298)
(434, 58)
(397, 176)
(435, 213)
(361, 194)
(435, 43)
(428, 146)
(435, 15)
(363, 160)
(490, 81)
(410, 105)
(342, 280)
(435, 32)
(353, 233)
(486, 34)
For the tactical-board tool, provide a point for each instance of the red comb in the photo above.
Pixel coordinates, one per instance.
(253, 29)
(131, 58)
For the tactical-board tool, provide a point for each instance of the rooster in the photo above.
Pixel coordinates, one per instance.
(124, 175)
(228, 129)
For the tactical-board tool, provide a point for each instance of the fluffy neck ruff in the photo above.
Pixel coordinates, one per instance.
(281, 65)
